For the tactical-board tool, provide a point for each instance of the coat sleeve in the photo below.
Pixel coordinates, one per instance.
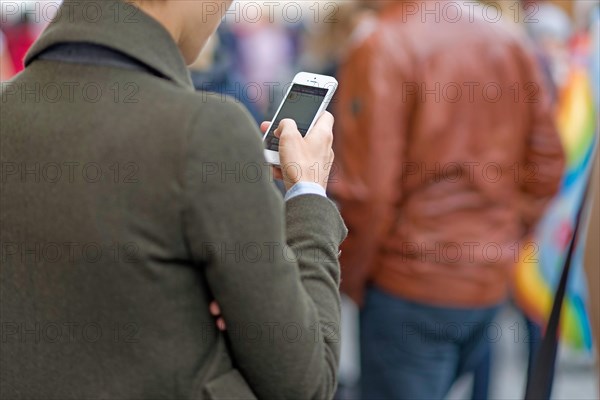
(272, 267)
(544, 164)
(372, 118)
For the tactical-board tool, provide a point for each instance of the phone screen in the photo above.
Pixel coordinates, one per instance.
(301, 105)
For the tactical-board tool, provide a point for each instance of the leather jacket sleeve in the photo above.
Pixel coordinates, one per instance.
(368, 158)
(544, 164)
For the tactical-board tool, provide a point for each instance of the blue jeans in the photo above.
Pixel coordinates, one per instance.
(415, 351)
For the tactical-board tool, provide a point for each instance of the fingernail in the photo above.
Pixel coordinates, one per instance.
(221, 324)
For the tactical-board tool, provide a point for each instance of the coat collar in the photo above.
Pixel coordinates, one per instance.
(120, 26)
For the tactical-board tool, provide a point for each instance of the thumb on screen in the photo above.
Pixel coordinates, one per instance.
(286, 127)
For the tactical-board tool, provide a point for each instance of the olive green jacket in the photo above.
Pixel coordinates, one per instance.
(128, 203)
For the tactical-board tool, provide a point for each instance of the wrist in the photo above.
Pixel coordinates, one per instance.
(303, 188)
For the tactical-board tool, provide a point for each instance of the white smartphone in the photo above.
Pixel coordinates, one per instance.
(306, 100)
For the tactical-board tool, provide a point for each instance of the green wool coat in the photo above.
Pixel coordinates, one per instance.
(128, 203)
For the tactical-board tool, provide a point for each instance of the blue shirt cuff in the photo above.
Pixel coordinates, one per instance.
(302, 188)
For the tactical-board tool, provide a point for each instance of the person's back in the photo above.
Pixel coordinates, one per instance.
(447, 155)
(91, 213)
(129, 203)
(467, 157)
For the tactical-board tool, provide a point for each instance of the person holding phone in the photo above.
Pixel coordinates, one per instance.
(307, 98)
(6, 62)
(130, 203)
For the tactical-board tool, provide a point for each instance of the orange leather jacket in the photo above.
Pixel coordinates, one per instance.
(447, 155)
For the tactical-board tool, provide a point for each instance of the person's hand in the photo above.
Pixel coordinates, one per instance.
(304, 159)
(215, 311)
(275, 170)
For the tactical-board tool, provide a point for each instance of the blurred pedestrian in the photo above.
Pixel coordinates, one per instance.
(7, 69)
(551, 32)
(213, 72)
(266, 54)
(330, 39)
(20, 35)
(447, 156)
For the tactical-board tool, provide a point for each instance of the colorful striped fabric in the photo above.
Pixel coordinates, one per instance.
(535, 282)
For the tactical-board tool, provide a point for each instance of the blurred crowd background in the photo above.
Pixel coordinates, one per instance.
(261, 45)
